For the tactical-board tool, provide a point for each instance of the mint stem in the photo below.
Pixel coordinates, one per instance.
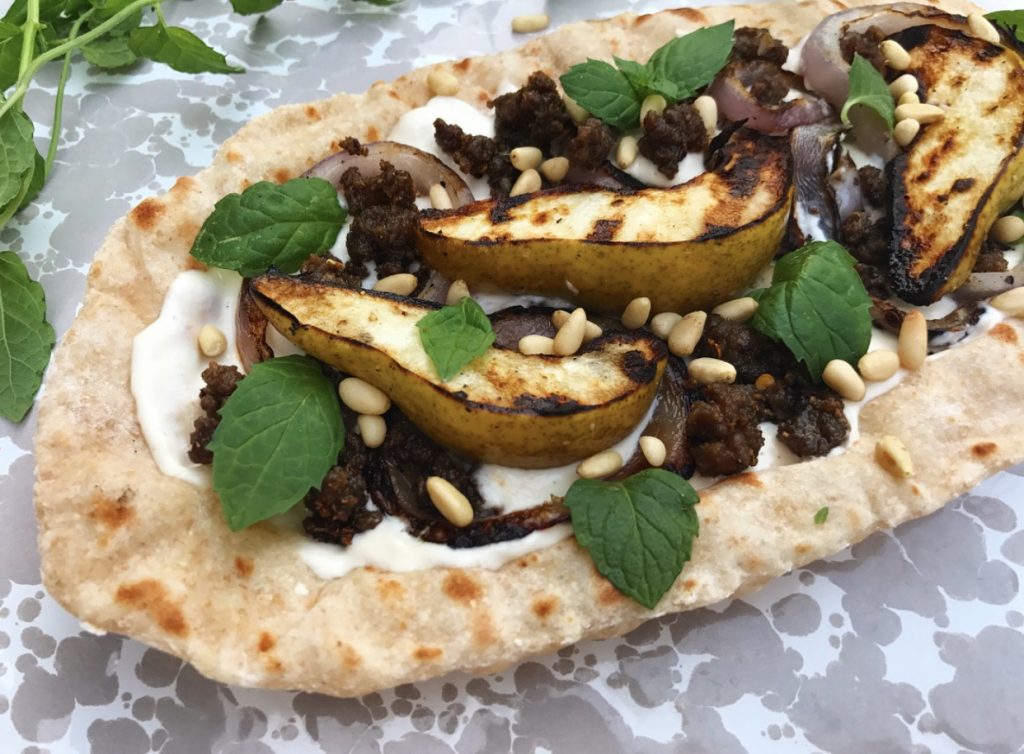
(58, 108)
(28, 40)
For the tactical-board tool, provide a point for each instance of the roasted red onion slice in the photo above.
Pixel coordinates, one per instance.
(987, 284)
(943, 332)
(825, 70)
(250, 330)
(425, 169)
(815, 212)
(735, 102)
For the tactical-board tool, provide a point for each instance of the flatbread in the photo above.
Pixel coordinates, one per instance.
(134, 552)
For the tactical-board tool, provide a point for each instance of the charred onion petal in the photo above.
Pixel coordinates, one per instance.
(942, 331)
(735, 102)
(987, 284)
(815, 211)
(250, 330)
(844, 185)
(489, 531)
(825, 70)
(606, 175)
(516, 322)
(425, 169)
(434, 288)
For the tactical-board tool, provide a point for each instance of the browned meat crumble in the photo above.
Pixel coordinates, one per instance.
(671, 135)
(220, 383)
(384, 213)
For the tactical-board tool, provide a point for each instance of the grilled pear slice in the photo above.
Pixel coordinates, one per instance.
(503, 407)
(686, 247)
(961, 173)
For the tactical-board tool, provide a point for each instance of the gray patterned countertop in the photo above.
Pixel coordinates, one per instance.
(910, 641)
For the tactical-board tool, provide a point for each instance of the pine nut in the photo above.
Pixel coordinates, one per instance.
(576, 111)
(450, 503)
(1007, 230)
(878, 366)
(892, 455)
(401, 284)
(906, 131)
(920, 112)
(685, 335)
(626, 152)
(905, 83)
(653, 449)
(524, 158)
(662, 324)
(560, 317)
(570, 336)
(707, 109)
(635, 315)
(439, 198)
(737, 310)
(555, 169)
(530, 23)
(536, 345)
(706, 371)
(982, 28)
(362, 397)
(527, 182)
(910, 98)
(442, 83)
(212, 342)
(373, 430)
(894, 54)
(456, 292)
(1011, 302)
(842, 378)
(913, 340)
(601, 465)
(653, 103)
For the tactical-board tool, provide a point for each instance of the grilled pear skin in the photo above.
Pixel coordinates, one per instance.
(503, 407)
(687, 247)
(961, 173)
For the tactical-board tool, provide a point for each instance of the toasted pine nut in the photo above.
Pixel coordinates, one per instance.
(401, 284)
(524, 158)
(530, 23)
(686, 333)
(626, 152)
(906, 131)
(1007, 230)
(527, 182)
(601, 465)
(662, 324)
(894, 54)
(706, 370)
(878, 366)
(555, 169)
(576, 111)
(212, 342)
(373, 430)
(737, 310)
(570, 336)
(560, 317)
(653, 103)
(764, 381)
(982, 28)
(439, 198)
(450, 503)
(905, 83)
(535, 345)
(843, 378)
(891, 454)
(635, 314)
(707, 109)
(653, 449)
(921, 112)
(1011, 302)
(456, 292)
(442, 83)
(913, 341)
(362, 397)
(910, 98)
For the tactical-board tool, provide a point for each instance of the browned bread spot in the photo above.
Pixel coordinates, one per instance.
(267, 642)
(233, 156)
(984, 449)
(544, 606)
(281, 176)
(463, 65)
(389, 589)
(312, 113)
(113, 514)
(150, 596)
(609, 595)
(373, 134)
(461, 588)
(147, 213)
(1004, 332)
(428, 654)
(244, 566)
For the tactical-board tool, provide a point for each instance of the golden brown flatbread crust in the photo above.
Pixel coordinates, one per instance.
(132, 551)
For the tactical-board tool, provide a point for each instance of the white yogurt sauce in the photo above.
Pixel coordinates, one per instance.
(647, 172)
(794, 61)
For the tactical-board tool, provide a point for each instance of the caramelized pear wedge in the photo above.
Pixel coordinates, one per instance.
(687, 247)
(504, 407)
(961, 173)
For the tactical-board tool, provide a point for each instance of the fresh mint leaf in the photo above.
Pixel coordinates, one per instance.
(868, 89)
(270, 225)
(26, 338)
(603, 91)
(455, 335)
(280, 433)
(35, 183)
(17, 157)
(639, 531)
(691, 62)
(1011, 19)
(10, 60)
(249, 7)
(178, 48)
(110, 53)
(821, 516)
(817, 306)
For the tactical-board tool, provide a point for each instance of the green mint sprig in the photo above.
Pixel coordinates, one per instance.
(455, 335)
(868, 89)
(27, 338)
(1011, 19)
